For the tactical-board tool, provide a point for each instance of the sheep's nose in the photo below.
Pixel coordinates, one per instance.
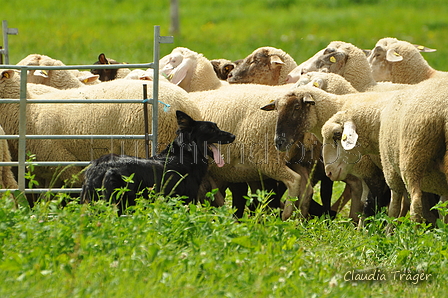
(289, 79)
(279, 142)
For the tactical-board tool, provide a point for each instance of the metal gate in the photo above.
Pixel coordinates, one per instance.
(23, 101)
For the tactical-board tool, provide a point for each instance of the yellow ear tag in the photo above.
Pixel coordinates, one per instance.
(44, 72)
(272, 100)
(344, 137)
(85, 80)
(316, 84)
(6, 75)
(332, 59)
(421, 47)
(396, 54)
(170, 76)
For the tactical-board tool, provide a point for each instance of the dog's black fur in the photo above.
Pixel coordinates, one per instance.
(177, 170)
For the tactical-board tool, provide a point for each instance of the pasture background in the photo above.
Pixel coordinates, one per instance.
(166, 251)
(77, 31)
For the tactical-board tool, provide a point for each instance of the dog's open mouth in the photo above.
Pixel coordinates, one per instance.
(217, 157)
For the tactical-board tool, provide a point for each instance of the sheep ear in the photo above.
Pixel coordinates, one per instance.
(229, 67)
(393, 56)
(102, 59)
(41, 73)
(88, 78)
(179, 73)
(349, 136)
(308, 99)
(269, 107)
(7, 74)
(319, 83)
(275, 60)
(424, 49)
(367, 52)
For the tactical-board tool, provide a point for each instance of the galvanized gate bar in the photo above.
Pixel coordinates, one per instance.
(7, 31)
(66, 101)
(92, 66)
(22, 163)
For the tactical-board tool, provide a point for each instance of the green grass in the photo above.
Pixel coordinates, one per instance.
(167, 250)
(77, 31)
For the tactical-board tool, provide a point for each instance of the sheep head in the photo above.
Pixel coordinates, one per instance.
(105, 74)
(391, 54)
(339, 140)
(9, 84)
(193, 73)
(293, 117)
(307, 66)
(223, 67)
(266, 66)
(327, 81)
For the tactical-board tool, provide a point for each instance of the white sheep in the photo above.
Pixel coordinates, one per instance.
(327, 81)
(193, 73)
(407, 128)
(252, 157)
(399, 61)
(60, 79)
(306, 66)
(90, 119)
(265, 65)
(147, 75)
(349, 62)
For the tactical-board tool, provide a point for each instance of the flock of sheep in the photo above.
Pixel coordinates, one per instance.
(374, 119)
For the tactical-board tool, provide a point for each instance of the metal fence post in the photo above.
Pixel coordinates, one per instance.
(155, 90)
(7, 31)
(22, 137)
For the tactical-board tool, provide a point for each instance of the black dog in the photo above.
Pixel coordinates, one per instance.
(177, 170)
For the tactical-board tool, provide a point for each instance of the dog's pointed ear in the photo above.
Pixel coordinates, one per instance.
(184, 121)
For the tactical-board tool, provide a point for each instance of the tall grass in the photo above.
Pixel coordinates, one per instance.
(168, 250)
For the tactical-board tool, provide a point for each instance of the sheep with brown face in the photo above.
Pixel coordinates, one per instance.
(109, 74)
(223, 67)
(265, 65)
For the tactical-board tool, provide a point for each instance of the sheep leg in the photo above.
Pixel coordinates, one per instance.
(395, 203)
(356, 207)
(306, 190)
(416, 202)
(326, 190)
(405, 205)
(293, 182)
(239, 190)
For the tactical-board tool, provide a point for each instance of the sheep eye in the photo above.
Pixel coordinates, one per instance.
(337, 136)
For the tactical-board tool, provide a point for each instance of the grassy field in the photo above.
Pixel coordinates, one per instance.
(167, 250)
(77, 31)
